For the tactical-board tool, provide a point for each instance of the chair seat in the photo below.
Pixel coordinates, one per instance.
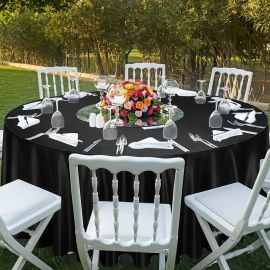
(23, 204)
(224, 206)
(126, 220)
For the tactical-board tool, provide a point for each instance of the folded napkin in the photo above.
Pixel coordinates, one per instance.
(150, 142)
(67, 138)
(32, 106)
(82, 94)
(186, 93)
(23, 123)
(219, 135)
(248, 117)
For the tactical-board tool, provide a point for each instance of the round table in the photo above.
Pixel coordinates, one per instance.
(44, 162)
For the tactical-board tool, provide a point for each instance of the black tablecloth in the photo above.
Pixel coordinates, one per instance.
(44, 162)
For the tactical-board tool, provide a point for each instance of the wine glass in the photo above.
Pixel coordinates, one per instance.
(170, 128)
(224, 105)
(170, 87)
(46, 104)
(117, 100)
(102, 83)
(57, 120)
(161, 94)
(109, 130)
(200, 97)
(215, 119)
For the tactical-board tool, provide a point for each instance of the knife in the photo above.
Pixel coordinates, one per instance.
(244, 131)
(87, 149)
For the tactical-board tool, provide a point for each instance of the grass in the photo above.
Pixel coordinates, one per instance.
(20, 86)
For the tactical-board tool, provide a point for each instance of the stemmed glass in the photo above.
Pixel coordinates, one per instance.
(160, 91)
(170, 128)
(200, 97)
(109, 130)
(117, 100)
(102, 83)
(46, 104)
(224, 105)
(170, 87)
(74, 94)
(215, 119)
(57, 120)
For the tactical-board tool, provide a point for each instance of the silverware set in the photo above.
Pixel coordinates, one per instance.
(197, 138)
(121, 142)
(49, 131)
(236, 123)
(92, 145)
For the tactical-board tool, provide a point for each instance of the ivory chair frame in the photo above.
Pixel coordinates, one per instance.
(97, 241)
(54, 71)
(233, 74)
(1, 142)
(148, 66)
(246, 223)
(40, 217)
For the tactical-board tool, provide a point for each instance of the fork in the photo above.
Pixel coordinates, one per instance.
(198, 137)
(44, 133)
(123, 143)
(32, 115)
(118, 144)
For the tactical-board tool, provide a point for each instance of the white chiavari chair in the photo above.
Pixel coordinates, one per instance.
(153, 70)
(59, 78)
(237, 80)
(25, 208)
(233, 210)
(1, 142)
(127, 226)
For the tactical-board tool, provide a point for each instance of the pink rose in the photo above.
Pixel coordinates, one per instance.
(138, 122)
(138, 113)
(135, 95)
(154, 96)
(150, 111)
(128, 105)
(124, 113)
(147, 94)
(144, 92)
(150, 120)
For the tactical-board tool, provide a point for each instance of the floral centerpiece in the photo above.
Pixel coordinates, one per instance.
(141, 105)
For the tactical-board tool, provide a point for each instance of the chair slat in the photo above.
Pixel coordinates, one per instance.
(240, 88)
(234, 90)
(141, 75)
(136, 188)
(265, 206)
(156, 204)
(115, 205)
(54, 85)
(95, 201)
(148, 77)
(134, 75)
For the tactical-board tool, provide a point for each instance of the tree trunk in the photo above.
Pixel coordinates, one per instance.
(99, 65)
(127, 54)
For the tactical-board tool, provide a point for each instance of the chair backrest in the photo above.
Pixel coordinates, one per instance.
(258, 185)
(153, 70)
(237, 80)
(136, 166)
(59, 78)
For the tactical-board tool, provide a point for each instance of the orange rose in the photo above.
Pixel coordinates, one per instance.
(147, 102)
(129, 93)
(136, 87)
(139, 105)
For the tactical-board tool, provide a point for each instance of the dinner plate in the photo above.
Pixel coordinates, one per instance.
(186, 93)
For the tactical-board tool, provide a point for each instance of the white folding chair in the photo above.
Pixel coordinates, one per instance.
(157, 70)
(127, 226)
(23, 205)
(1, 142)
(266, 184)
(234, 210)
(237, 80)
(59, 78)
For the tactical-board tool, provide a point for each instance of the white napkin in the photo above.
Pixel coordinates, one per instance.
(82, 94)
(67, 138)
(242, 116)
(151, 142)
(32, 106)
(219, 135)
(186, 93)
(25, 124)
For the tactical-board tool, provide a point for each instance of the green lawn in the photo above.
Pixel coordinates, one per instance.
(19, 86)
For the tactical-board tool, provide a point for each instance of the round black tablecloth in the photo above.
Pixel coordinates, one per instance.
(44, 162)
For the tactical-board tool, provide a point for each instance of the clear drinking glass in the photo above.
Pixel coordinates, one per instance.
(73, 96)
(109, 130)
(224, 105)
(160, 92)
(46, 104)
(102, 83)
(117, 100)
(170, 128)
(200, 97)
(57, 120)
(170, 87)
(215, 119)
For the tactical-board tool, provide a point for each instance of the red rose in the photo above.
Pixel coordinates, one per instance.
(133, 106)
(139, 94)
(158, 109)
(124, 113)
(150, 111)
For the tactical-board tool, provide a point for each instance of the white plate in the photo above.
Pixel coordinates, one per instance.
(186, 93)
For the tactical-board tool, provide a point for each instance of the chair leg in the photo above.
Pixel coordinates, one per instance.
(218, 251)
(95, 260)
(162, 261)
(265, 241)
(32, 242)
(170, 264)
(83, 253)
